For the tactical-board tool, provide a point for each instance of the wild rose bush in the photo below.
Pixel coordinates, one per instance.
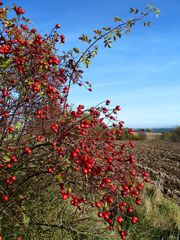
(42, 135)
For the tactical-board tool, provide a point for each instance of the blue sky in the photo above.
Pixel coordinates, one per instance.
(141, 73)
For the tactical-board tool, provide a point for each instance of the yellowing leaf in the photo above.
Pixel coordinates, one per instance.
(76, 50)
(6, 158)
(58, 178)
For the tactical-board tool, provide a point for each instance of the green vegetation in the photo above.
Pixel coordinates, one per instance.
(46, 216)
(137, 136)
(63, 174)
(159, 218)
(172, 135)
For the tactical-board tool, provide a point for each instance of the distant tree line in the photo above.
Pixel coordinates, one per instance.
(137, 136)
(171, 135)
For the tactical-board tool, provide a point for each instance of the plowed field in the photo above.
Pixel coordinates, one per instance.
(162, 160)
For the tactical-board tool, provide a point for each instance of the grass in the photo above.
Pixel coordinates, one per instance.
(159, 217)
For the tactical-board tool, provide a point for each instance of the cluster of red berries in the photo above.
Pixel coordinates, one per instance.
(77, 146)
(19, 10)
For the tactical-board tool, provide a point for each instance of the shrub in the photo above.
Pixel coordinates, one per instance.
(45, 142)
(149, 130)
(172, 136)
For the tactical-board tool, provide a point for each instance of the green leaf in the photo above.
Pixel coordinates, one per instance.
(4, 61)
(149, 7)
(41, 93)
(131, 10)
(26, 20)
(157, 12)
(85, 38)
(58, 178)
(10, 136)
(117, 19)
(106, 28)
(26, 219)
(18, 125)
(6, 158)
(86, 62)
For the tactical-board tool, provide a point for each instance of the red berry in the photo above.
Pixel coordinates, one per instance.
(8, 165)
(134, 220)
(110, 199)
(120, 219)
(19, 10)
(140, 186)
(33, 30)
(54, 127)
(130, 131)
(57, 25)
(108, 102)
(65, 196)
(123, 234)
(51, 170)
(106, 215)
(13, 178)
(131, 158)
(62, 38)
(85, 171)
(28, 150)
(131, 143)
(130, 209)
(13, 159)
(107, 180)
(11, 129)
(132, 173)
(100, 215)
(5, 198)
(138, 201)
(98, 204)
(117, 108)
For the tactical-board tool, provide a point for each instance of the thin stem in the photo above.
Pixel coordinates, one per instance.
(99, 38)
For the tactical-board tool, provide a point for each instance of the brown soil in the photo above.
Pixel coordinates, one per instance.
(162, 160)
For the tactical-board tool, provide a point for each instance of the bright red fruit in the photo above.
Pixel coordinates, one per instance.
(57, 25)
(19, 10)
(110, 199)
(28, 150)
(13, 159)
(100, 215)
(85, 171)
(5, 198)
(98, 204)
(138, 201)
(108, 102)
(72, 148)
(120, 219)
(65, 196)
(134, 220)
(130, 209)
